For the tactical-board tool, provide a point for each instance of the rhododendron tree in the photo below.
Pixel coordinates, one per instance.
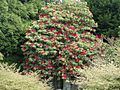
(61, 41)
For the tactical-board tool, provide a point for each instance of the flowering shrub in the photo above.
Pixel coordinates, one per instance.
(61, 41)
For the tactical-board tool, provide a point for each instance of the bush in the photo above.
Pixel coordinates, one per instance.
(12, 80)
(103, 77)
(117, 45)
(107, 14)
(111, 53)
(61, 40)
(15, 17)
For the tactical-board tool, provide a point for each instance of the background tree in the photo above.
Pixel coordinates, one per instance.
(107, 14)
(15, 17)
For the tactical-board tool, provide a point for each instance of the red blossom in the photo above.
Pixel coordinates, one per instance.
(43, 53)
(75, 35)
(28, 41)
(91, 48)
(46, 22)
(53, 22)
(28, 73)
(24, 49)
(52, 40)
(67, 38)
(84, 33)
(93, 29)
(37, 66)
(98, 36)
(64, 76)
(91, 57)
(77, 60)
(57, 33)
(56, 17)
(62, 28)
(52, 29)
(53, 12)
(32, 21)
(66, 24)
(41, 68)
(50, 67)
(44, 38)
(40, 44)
(25, 45)
(49, 61)
(33, 62)
(64, 49)
(40, 16)
(60, 57)
(83, 53)
(34, 56)
(32, 44)
(37, 59)
(78, 67)
(40, 23)
(63, 66)
(65, 34)
(83, 39)
(43, 62)
(46, 46)
(72, 28)
(44, 15)
(28, 34)
(33, 31)
(96, 45)
(81, 20)
(27, 67)
(27, 60)
(70, 66)
(63, 70)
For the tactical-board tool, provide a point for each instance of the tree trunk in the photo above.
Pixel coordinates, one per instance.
(58, 84)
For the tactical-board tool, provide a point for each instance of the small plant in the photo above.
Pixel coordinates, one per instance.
(10, 79)
(61, 41)
(102, 77)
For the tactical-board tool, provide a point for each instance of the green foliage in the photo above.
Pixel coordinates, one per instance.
(61, 40)
(15, 17)
(103, 77)
(107, 15)
(10, 79)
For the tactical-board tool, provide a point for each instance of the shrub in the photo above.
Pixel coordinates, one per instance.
(61, 40)
(117, 45)
(111, 53)
(107, 14)
(15, 17)
(12, 80)
(103, 77)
